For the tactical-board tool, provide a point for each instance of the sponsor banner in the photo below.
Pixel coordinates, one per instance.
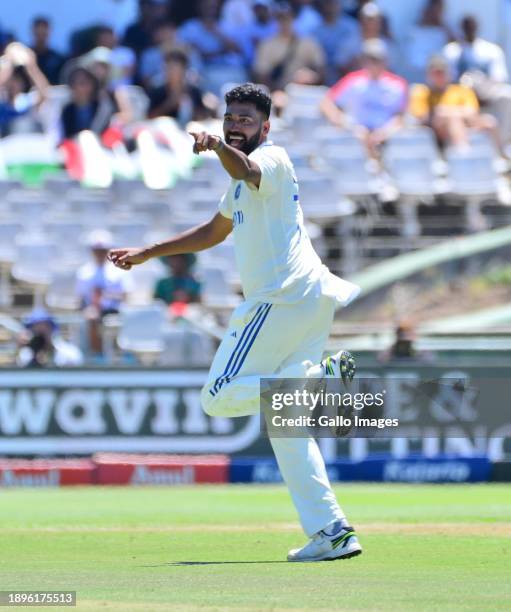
(80, 412)
(118, 469)
(76, 412)
(46, 473)
(438, 469)
(415, 469)
(265, 470)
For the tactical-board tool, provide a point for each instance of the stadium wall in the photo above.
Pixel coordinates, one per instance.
(79, 412)
(173, 470)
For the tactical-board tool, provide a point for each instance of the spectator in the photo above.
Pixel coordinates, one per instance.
(339, 35)
(404, 346)
(307, 18)
(101, 288)
(481, 64)
(353, 8)
(181, 11)
(223, 49)
(49, 61)
(122, 60)
(374, 24)
(264, 24)
(178, 98)
(427, 38)
(236, 14)
(18, 72)
(138, 35)
(474, 54)
(90, 108)
(287, 57)
(370, 101)
(180, 285)
(98, 61)
(450, 109)
(151, 69)
(41, 345)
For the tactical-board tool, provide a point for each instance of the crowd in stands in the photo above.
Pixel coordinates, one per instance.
(101, 289)
(182, 56)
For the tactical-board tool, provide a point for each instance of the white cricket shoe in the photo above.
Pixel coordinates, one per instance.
(343, 544)
(341, 365)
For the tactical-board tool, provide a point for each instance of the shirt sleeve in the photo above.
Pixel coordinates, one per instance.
(498, 67)
(314, 53)
(340, 93)
(82, 286)
(402, 103)
(264, 59)
(225, 206)
(471, 100)
(418, 105)
(268, 160)
(458, 95)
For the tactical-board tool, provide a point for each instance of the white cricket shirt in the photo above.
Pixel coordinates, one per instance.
(274, 255)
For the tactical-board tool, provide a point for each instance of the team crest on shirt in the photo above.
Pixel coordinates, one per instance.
(237, 192)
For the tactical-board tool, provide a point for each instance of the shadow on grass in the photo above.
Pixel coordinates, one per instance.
(186, 563)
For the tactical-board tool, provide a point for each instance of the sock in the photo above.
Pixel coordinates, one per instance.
(316, 371)
(336, 526)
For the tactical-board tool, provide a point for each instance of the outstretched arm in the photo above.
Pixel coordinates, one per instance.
(237, 164)
(332, 112)
(18, 54)
(195, 239)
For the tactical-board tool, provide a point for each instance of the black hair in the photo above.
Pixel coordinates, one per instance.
(103, 29)
(252, 94)
(177, 55)
(37, 21)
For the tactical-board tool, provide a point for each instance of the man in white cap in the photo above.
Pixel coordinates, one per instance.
(101, 288)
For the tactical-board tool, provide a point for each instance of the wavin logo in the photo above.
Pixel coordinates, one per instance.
(158, 411)
(237, 192)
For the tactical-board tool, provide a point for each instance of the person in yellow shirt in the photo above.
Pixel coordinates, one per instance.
(450, 109)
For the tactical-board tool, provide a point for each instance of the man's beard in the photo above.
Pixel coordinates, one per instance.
(252, 143)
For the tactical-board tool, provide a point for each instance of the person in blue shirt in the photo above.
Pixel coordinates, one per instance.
(223, 50)
(340, 37)
(264, 24)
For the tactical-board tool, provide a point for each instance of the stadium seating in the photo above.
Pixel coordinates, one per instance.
(142, 329)
(358, 211)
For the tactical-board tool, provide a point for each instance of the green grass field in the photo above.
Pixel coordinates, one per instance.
(224, 547)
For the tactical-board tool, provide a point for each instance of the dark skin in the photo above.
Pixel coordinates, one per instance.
(469, 28)
(245, 128)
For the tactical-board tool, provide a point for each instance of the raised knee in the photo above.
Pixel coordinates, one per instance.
(207, 400)
(214, 401)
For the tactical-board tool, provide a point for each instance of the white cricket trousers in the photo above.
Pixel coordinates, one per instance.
(283, 339)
